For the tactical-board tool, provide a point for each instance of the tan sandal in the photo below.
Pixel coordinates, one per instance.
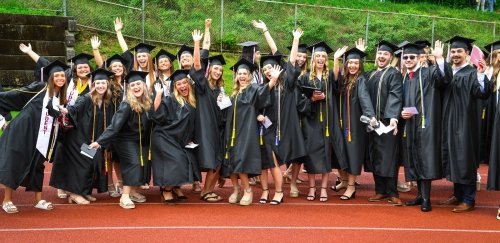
(44, 205)
(9, 207)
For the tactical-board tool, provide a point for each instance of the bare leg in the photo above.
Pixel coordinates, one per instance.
(294, 191)
(324, 184)
(264, 182)
(278, 181)
(8, 194)
(312, 187)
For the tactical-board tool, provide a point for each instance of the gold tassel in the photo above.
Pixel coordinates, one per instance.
(321, 116)
(261, 142)
(327, 133)
(423, 121)
(349, 136)
(232, 137)
(149, 154)
(484, 114)
(227, 155)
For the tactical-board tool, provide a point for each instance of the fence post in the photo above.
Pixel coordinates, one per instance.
(494, 30)
(221, 23)
(433, 29)
(295, 17)
(64, 8)
(143, 19)
(367, 24)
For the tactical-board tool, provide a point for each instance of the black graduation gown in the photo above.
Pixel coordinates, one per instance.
(357, 142)
(489, 125)
(128, 138)
(73, 171)
(494, 160)
(21, 164)
(323, 152)
(459, 124)
(385, 88)
(289, 137)
(243, 153)
(423, 141)
(173, 164)
(209, 127)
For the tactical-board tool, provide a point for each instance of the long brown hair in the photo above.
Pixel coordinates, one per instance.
(62, 90)
(151, 70)
(496, 67)
(215, 83)
(350, 82)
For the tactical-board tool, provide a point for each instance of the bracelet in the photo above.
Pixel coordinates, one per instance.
(265, 31)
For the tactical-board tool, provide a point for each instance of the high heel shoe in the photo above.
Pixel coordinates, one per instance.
(346, 197)
(294, 193)
(342, 185)
(178, 194)
(77, 199)
(313, 196)
(324, 198)
(247, 198)
(62, 194)
(167, 201)
(235, 196)
(275, 201)
(264, 200)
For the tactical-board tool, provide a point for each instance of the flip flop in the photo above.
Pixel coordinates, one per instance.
(44, 205)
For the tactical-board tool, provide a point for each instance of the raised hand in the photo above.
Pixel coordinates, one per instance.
(197, 35)
(276, 71)
(25, 48)
(297, 33)
(208, 23)
(259, 25)
(339, 52)
(95, 42)
(158, 88)
(360, 44)
(482, 66)
(437, 51)
(118, 24)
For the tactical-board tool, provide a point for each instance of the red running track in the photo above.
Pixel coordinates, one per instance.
(296, 220)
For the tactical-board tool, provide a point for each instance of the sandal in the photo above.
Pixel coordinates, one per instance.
(211, 197)
(42, 204)
(346, 197)
(61, 194)
(90, 198)
(167, 201)
(113, 191)
(145, 187)
(196, 187)
(235, 196)
(137, 197)
(119, 187)
(324, 198)
(311, 197)
(275, 201)
(9, 207)
(77, 199)
(264, 200)
(294, 193)
(342, 185)
(178, 194)
(126, 203)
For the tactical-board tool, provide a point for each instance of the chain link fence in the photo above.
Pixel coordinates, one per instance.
(167, 21)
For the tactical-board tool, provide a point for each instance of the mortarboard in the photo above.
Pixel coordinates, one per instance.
(185, 49)
(460, 42)
(143, 48)
(100, 74)
(271, 59)
(82, 58)
(53, 67)
(424, 43)
(302, 48)
(386, 46)
(411, 48)
(320, 47)
(115, 58)
(136, 76)
(164, 54)
(354, 53)
(243, 64)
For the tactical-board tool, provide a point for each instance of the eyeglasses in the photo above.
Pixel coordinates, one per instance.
(411, 57)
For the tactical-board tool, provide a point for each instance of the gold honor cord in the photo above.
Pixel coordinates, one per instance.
(150, 143)
(348, 94)
(53, 139)
(327, 134)
(93, 136)
(421, 96)
(233, 134)
(379, 91)
(140, 140)
(404, 129)
(81, 86)
(340, 111)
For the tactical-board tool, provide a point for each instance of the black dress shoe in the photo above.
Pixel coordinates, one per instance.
(426, 205)
(414, 202)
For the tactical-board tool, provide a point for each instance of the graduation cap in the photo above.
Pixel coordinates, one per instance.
(143, 48)
(461, 42)
(424, 43)
(354, 53)
(115, 58)
(100, 74)
(249, 46)
(53, 67)
(164, 54)
(82, 58)
(411, 48)
(185, 49)
(243, 64)
(493, 46)
(302, 48)
(136, 76)
(386, 46)
(271, 59)
(179, 74)
(308, 91)
(217, 60)
(320, 46)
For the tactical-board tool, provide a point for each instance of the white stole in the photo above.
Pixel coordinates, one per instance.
(45, 129)
(71, 93)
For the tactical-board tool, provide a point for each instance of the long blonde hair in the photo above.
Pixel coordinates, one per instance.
(142, 104)
(191, 98)
(151, 69)
(236, 86)
(496, 67)
(312, 73)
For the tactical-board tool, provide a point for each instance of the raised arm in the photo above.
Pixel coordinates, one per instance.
(336, 64)
(159, 95)
(206, 39)
(295, 45)
(119, 35)
(95, 50)
(27, 49)
(197, 36)
(360, 44)
(270, 42)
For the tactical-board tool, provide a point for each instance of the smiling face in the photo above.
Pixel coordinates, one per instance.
(267, 69)
(101, 86)
(183, 87)
(142, 59)
(137, 88)
(458, 56)
(82, 70)
(216, 72)
(243, 77)
(59, 79)
(301, 59)
(117, 68)
(320, 59)
(164, 64)
(186, 60)
(410, 61)
(353, 66)
(383, 58)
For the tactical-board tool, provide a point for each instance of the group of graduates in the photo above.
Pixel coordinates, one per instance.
(147, 120)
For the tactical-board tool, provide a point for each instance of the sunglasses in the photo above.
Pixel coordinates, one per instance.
(411, 57)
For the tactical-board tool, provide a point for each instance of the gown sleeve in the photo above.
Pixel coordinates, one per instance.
(364, 98)
(16, 99)
(76, 110)
(119, 119)
(395, 94)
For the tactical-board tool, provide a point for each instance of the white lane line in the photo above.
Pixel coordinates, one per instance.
(205, 227)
